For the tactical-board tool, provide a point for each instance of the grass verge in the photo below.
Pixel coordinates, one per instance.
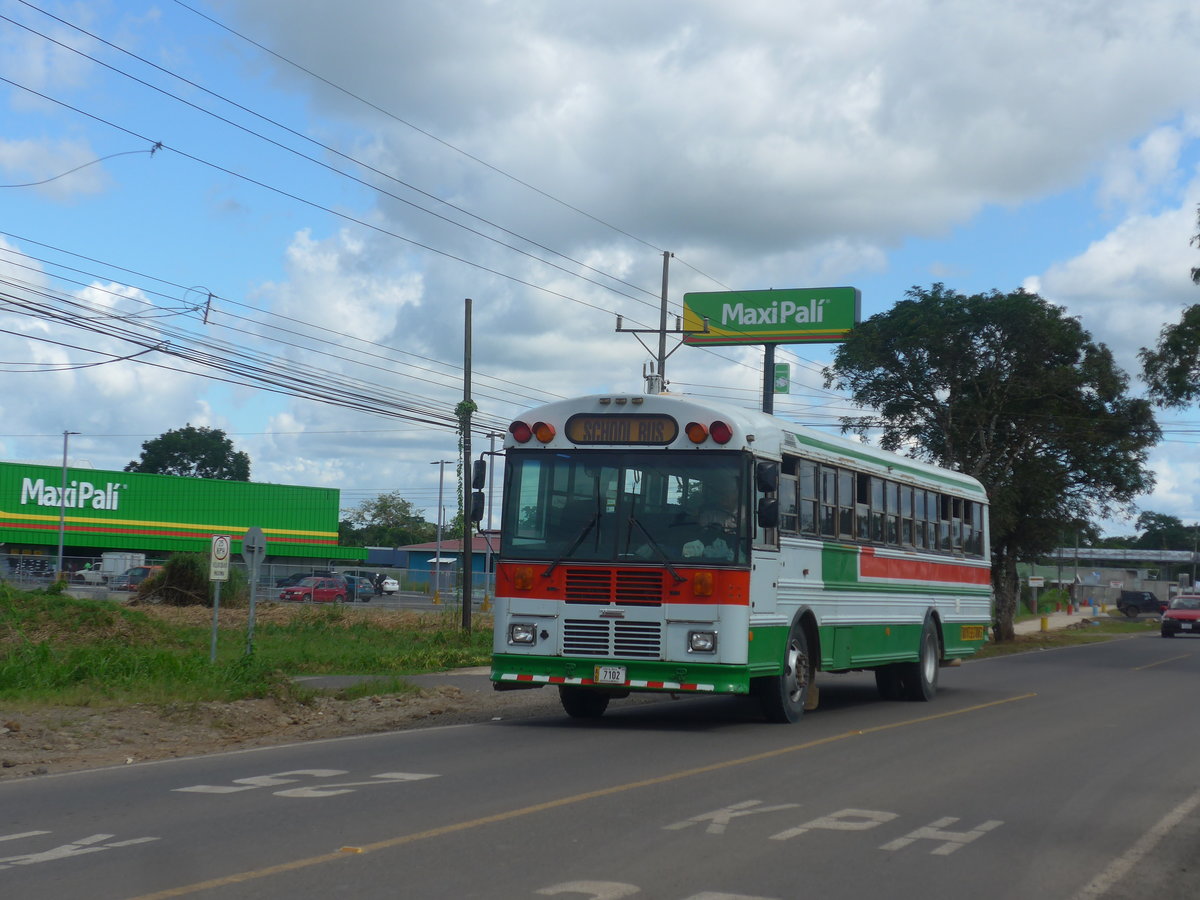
(1102, 630)
(61, 650)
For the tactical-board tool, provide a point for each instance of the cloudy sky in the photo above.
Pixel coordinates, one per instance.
(209, 206)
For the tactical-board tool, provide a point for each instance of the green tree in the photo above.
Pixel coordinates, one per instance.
(1010, 390)
(385, 521)
(193, 453)
(1172, 368)
(1160, 531)
(1196, 241)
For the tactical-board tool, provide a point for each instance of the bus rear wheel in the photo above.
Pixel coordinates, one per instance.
(785, 696)
(580, 703)
(920, 678)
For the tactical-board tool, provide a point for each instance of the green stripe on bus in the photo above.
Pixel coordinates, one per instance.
(892, 464)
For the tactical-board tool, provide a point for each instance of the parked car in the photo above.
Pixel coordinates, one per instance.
(132, 577)
(361, 589)
(297, 577)
(1182, 616)
(317, 590)
(390, 585)
(1134, 603)
(368, 574)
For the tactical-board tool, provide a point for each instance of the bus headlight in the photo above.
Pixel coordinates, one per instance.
(702, 641)
(522, 633)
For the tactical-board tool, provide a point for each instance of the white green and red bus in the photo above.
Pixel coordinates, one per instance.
(834, 557)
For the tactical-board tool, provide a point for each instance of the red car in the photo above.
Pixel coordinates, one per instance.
(1182, 616)
(317, 590)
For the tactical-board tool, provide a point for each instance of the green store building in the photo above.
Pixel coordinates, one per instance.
(101, 511)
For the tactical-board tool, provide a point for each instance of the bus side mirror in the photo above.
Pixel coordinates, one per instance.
(766, 475)
(478, 474)
(477, 504)
(768, 513)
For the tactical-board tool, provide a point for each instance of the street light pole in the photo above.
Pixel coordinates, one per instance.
(438, 556)
(62, 506)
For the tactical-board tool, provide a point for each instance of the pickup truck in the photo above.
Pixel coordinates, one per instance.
(90, 576)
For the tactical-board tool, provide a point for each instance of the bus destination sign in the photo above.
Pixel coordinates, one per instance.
(630, 428)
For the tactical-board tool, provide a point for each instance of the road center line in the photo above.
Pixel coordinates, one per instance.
(571, 800)
(1162, 662)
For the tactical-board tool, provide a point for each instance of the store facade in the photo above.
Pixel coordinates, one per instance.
(96, 511)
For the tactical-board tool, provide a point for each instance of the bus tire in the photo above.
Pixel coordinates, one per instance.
(785, 696)
(581, 703)
(889, 681)
(920, 678)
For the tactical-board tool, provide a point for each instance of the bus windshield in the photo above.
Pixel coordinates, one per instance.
(686, 508)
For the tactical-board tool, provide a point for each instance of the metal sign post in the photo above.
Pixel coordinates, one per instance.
(218, 572)
(254, 550)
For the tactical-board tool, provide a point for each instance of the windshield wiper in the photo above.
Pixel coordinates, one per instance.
(574, 544)
(657, 549)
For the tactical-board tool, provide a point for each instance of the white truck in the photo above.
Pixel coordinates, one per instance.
(113, 563)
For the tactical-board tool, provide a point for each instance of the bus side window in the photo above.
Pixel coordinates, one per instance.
(829, 508)
(863, 507)
(808, 497)
(906, 511)
(845, 504)
(789, 504)
(892, 492)
(918, 518)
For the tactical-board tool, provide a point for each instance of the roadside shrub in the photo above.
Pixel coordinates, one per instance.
(183, 581)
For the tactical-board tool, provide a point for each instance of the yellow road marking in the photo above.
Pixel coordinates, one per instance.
(1162, 662)
(400, 841)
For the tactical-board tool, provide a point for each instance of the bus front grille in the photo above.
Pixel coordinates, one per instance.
(625, 587)
(635, 640)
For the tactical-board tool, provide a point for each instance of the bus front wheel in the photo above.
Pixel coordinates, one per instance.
(784, 697)
(580, 703)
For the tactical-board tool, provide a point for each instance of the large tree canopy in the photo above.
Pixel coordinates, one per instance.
(1172, 368)
(193, 453)
(1010, 390)
(385, 521)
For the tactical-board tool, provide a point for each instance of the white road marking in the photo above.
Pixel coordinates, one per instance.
(843, 820)
(23, 834)
(1120, 867)
(950, 840)
(90, 844)
(257, 781)
(328, 790)
(720, 818)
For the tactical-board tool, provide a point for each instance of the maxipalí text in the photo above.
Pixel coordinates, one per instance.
(79, 494)
(784, 312)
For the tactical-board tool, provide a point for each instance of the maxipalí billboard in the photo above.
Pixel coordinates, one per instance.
(132, 511)
(787, 316)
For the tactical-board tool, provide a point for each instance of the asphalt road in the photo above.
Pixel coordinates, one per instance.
(1060, 774)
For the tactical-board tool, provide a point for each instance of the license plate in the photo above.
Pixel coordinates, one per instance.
(1185, 626)
(972, 632)
(610, 675)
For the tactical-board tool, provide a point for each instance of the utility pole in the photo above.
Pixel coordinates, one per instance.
(437, 595)
(656, 380)
(662, 328)
(62, 507)
(465, 409)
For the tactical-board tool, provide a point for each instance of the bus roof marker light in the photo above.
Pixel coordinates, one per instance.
(696, 432)
(521, 432)
(721, 432)
(544, 432)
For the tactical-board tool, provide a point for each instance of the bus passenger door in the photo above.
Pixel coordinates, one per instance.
(764, 580)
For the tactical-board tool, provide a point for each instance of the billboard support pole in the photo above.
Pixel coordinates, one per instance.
(768, 403)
